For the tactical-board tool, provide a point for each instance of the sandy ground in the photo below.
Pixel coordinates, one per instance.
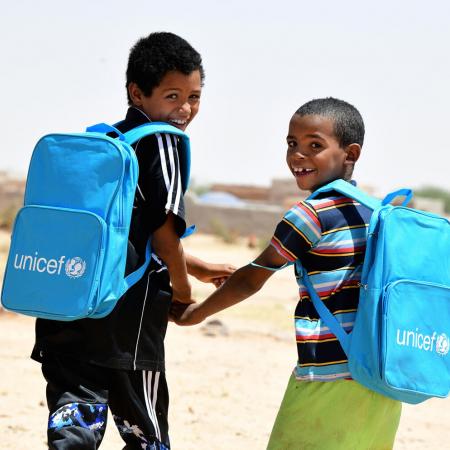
(226, 382)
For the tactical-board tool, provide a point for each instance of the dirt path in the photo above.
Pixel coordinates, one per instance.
(225, 382)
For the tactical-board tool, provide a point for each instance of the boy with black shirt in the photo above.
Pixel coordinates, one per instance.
(118, 361)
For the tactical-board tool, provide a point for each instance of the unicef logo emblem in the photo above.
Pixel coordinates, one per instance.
(442, 344)
(75, 267)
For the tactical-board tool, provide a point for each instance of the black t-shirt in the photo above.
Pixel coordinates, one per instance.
(132, 335)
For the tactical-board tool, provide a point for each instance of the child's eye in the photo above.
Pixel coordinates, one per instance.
(291, 144)
(194, 98)
(172, 96)
(316, 146)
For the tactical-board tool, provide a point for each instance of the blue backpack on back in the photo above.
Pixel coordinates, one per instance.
(69, 242)
(400, 343)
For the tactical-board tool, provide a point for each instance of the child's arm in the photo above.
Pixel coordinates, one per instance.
(245, 282)
(208, 272)
(168, 247)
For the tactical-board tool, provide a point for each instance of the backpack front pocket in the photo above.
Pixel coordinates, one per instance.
(415, 338)
(54, 263)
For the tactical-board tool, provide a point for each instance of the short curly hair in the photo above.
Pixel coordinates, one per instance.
(348, 122)
(152, 57)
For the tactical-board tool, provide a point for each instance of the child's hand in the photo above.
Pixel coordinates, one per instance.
(215, 273)
(182, 295)
(183, 314)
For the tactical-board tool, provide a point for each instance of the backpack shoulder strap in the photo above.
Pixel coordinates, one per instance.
(348, 189)
(324, 313)
(147, 129)
(133, 136)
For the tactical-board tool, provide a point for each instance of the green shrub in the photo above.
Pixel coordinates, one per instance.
(435, 193)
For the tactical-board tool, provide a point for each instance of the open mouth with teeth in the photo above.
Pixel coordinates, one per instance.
(178, 122)
(301, 171)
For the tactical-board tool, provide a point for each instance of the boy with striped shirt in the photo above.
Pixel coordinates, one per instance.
(322, 407)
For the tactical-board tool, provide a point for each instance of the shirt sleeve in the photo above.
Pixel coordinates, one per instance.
(297, 233)
(159, 187)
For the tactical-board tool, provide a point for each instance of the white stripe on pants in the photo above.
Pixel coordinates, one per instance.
(151, 396)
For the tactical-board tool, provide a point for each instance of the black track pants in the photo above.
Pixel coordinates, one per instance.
(78, 397)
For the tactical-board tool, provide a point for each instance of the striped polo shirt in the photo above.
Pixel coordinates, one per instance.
(327, 236)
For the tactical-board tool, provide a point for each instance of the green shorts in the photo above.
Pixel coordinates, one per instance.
(334, 415)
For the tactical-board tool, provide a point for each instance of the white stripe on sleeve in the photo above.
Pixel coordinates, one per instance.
(174, 192)
(164, 162)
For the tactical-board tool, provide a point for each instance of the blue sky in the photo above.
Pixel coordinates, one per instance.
(63, 66)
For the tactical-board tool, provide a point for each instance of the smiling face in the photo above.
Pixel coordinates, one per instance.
(176, 100)
(314, 155)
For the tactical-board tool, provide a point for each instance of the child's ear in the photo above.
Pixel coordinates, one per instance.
(136, 94)
(353, 151)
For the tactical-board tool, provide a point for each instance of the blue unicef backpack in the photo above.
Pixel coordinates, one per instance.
(400, 343)
(69, 242)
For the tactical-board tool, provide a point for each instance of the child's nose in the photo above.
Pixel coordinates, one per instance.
(300, 155)
(185, 108)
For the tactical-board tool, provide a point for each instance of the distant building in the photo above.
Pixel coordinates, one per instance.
(244, 192)
(262, 207)
(220, 198)
(240, 208)
(280, 192)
